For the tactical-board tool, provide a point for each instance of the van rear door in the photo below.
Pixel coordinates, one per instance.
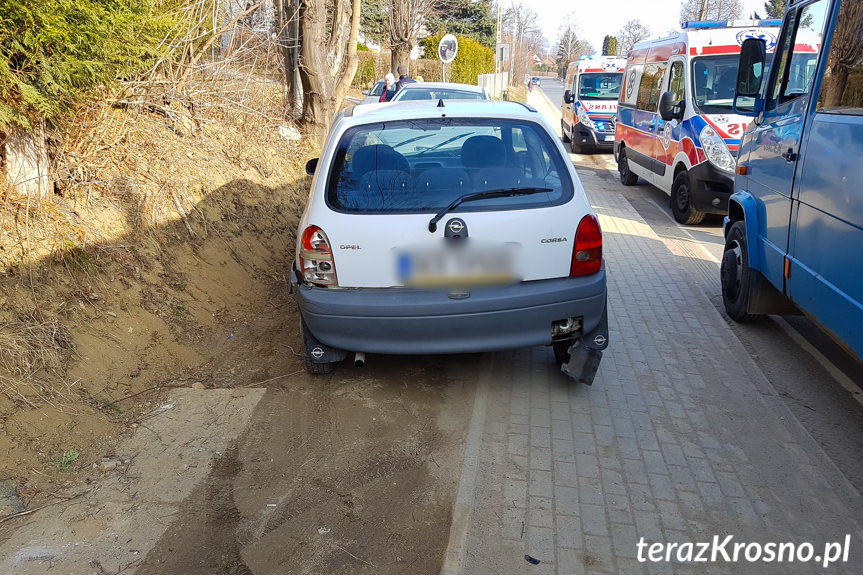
(772, 149)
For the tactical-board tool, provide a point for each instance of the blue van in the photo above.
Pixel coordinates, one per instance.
(794, 230)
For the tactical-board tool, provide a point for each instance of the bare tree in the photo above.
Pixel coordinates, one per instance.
(631, 34)
(406, 21)
(521, 25)
(699, 10)
(328, 58)
(569, 48)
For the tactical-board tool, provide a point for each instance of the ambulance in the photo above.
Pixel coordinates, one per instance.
(592, 88)
(676, 124)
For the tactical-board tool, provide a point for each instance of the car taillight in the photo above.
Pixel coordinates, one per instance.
(316, 258)
(587, 253)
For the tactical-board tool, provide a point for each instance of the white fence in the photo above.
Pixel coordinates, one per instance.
(494, 83)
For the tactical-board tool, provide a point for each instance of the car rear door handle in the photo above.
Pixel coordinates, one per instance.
(790, 155)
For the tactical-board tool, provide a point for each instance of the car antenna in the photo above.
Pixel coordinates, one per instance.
(440, 103)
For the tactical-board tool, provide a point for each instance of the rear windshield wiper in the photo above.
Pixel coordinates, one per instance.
(411, 141)
(436, 146)
(473, 196)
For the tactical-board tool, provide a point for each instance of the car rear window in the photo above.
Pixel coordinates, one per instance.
(418, 166)
(442, 94)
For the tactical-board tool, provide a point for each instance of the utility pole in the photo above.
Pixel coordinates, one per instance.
(515, 51)
(498, 64)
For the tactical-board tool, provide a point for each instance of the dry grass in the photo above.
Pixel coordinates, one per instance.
(135, 159)
(33, 344)
(146, 154)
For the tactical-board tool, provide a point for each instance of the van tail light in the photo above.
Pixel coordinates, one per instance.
(587, 253)
(316, 258)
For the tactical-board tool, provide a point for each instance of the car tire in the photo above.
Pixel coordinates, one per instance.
(575, 147)
(739, 281)
(563, 133)
(681, 202)
(316, 367)
(627, 178)
(561, 351)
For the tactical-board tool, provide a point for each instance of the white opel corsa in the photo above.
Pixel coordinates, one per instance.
(441, 227)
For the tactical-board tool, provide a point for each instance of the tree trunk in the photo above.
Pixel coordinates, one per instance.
(25, 162)
(835, 81)
(702, 14)
(846, 52)
(288, 21)
(400, 54)
(325, 85)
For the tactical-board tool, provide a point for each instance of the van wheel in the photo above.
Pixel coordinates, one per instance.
(563, 133)
(576, 147)
(739, 282)
(681, 201)
(627, 178)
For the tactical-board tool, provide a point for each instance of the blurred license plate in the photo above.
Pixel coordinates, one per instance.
(457, 266)
(609, 138)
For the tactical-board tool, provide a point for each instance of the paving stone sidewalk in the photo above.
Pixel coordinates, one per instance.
(680, 439)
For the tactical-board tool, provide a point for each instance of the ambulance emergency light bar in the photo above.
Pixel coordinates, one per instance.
(729, 24)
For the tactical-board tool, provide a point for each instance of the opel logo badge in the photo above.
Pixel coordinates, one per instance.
(317, 352)
(455, 226)
(599, 339)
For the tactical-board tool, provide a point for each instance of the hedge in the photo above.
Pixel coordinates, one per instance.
(54, 53)
(471, 60)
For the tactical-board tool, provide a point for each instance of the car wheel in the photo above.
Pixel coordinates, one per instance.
(563, 133)
(681, 201)
(739, 282)
(315, 367)
(576, 147)
(627, 178)
(561, 351)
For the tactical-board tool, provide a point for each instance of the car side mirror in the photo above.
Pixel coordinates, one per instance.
(670, 108)
(365, 92)
(311, 166)
(567, 97)
(753, 55)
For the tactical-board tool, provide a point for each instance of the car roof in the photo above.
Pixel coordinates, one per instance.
(422, 109)
(442, 85)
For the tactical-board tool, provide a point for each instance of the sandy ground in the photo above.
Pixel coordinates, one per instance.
(180, 283)
(109, 524)
(255, 466)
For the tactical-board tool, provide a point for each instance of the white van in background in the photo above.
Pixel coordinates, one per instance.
(676, 125)
(592, 87)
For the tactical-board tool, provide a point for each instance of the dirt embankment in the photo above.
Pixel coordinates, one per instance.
(160, 262)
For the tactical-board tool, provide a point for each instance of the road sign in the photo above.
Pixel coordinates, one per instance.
(501, 53)
(447, 48)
